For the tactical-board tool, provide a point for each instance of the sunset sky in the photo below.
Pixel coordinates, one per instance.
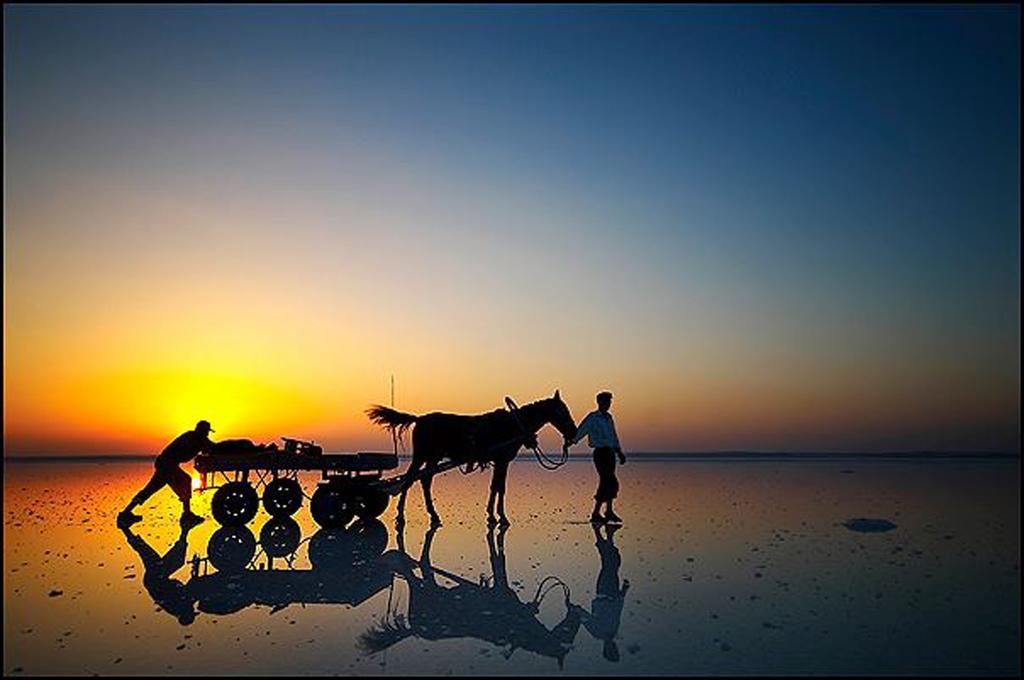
(763, 228)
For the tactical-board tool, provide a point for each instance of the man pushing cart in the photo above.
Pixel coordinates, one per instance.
(166, 472)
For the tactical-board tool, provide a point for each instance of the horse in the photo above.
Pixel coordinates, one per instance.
(494, 437)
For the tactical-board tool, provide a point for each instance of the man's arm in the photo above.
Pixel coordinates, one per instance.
(584, 429)
(618, 446)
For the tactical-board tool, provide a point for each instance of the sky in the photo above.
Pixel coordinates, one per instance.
(781, 228)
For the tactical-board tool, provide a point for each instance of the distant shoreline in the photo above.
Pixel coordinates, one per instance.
(703, 456)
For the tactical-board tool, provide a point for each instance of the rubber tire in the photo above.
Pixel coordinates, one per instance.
(372, 504)
(331, 549)
(235, 504)
(231, 549)
(280, 536)
(370, 540)
(282, 498)
(332, 506)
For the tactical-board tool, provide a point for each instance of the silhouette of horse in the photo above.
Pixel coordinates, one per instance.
(483, 611)
(494, 437)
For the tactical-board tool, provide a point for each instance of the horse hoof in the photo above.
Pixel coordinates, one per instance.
(504, 522)
(435, 521)
(491, 521)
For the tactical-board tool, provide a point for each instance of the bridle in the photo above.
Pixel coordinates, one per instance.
(530, 441)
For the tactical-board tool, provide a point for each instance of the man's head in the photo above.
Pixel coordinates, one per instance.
(203, 427)
(604, 400)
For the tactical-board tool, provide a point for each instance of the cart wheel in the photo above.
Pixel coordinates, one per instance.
(371, 539)
(280, 536)
(231, 549)
(372, 504)
(332, 506)
(282, 497)
(235, 504)
(331, 549)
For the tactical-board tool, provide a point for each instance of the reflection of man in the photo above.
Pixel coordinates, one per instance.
(171, 594)
(600, 427)
(166, 471)
(606, 609)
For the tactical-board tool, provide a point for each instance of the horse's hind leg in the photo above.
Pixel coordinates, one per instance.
(435, 519)
(414, 467)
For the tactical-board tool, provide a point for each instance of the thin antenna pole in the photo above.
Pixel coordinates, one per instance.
(394, 433)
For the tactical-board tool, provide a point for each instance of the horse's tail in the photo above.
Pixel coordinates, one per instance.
(390, 419)
(380, 637)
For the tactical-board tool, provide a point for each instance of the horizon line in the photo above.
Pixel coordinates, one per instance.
(644, 455)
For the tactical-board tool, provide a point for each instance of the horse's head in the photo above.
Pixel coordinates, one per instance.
(559, 416)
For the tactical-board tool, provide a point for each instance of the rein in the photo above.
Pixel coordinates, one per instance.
(545, 462)
(547, 584)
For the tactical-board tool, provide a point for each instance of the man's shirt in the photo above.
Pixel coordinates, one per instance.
(184, 448)
(600, 428)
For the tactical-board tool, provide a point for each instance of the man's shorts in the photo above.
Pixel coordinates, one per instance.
(171, 475)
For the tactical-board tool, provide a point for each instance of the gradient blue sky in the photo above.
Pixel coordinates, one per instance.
(730, 215)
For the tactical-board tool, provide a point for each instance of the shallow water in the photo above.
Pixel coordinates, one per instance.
(733, 567)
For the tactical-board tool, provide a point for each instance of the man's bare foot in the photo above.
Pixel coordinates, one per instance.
(190, 518)
(595, 518)
(612, 517)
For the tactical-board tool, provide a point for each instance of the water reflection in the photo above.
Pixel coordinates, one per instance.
(170, 594)
(488, 610)
(492, 611)
(602, 621)
(349, 566)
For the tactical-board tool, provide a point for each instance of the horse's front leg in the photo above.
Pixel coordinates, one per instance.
(503, 522)
(498, 480)
(491, 519)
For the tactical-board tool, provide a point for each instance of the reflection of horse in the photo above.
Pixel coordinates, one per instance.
(350, 566)
(491, 612)
(494, 437)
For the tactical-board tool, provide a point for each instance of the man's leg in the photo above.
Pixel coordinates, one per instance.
(181, 482)
(609, 483)
(595, 514)
(154, 484)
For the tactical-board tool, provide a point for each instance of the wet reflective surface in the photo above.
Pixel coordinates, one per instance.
(732, 567)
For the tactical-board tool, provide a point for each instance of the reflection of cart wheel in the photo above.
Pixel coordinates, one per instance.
(235, 504)
(371, 539)
(231, 548)
(282, 497)
(332, 506)
(280, 536)
(331, 548)
(372, 504)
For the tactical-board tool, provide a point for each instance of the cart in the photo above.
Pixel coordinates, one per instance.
(351, 484)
